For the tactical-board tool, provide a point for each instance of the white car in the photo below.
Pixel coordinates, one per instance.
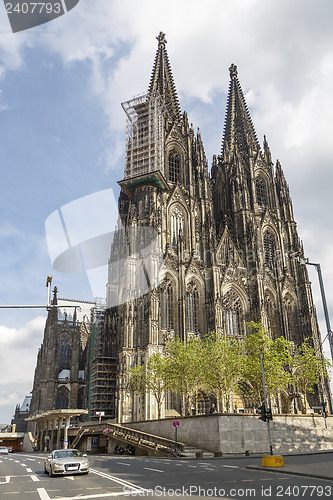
(66, 462)
(3, 450)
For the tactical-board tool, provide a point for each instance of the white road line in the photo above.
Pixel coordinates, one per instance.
(123, 463)
(193, 466)
(155, 470)
(44, 496)
(28, 470)
(231, 466)
(34, 478)
(16, 461)
(24, 465)
(117, 480)
(7, 479)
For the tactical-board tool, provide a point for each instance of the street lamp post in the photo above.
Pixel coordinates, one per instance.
(323, 298)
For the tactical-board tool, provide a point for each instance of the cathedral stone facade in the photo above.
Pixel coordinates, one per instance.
(195, 250)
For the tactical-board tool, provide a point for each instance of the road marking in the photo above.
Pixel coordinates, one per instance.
(119, 481)
(155, 470)
(69, 477)
(231, 466)
(34, 478)
(7, 479)
(193, 466)
(24, 465)
(44, 496)
(123, 463)
(28, 470)
(17, 461)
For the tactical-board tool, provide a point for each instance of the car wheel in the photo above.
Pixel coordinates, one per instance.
(45, 471)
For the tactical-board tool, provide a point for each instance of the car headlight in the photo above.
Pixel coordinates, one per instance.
(58, 464)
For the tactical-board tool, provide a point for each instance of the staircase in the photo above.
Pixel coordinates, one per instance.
(142, 440)
(192, 452)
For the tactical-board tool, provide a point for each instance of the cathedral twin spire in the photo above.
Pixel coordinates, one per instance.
(162, 82)
(239, 134)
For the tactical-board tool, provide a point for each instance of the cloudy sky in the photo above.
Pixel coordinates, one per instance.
(63, 128)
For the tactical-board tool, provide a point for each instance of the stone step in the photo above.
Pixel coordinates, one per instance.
(192, 452)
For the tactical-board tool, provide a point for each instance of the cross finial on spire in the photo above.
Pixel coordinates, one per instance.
(233, 71)
(161, 38)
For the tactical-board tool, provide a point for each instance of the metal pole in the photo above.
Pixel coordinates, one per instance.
(176, 428)
(51, 306)
(265, 403)
(323, 298)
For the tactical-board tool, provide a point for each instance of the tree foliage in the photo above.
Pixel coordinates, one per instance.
(275, 353)
(219, 366)
(222, 362)
(152, 378)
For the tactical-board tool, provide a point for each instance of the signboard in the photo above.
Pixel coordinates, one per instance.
(88, 443)
(175, 423)
(95, 442)
(107, 431)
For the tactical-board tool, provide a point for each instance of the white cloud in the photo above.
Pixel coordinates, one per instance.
(18, 354)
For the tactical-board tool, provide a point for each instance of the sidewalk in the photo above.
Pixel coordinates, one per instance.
(318, 470)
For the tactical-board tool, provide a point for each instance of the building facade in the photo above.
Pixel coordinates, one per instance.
(199, 250)
(62, 368)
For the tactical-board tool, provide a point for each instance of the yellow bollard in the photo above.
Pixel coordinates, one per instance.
(272, 461)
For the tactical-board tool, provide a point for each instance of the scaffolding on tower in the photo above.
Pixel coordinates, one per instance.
(144, 142)
(102, 380)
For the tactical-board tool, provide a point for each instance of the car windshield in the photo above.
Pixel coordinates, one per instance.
(67, 453)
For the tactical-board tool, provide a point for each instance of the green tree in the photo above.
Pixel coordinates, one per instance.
(152, 378)
(222, 363)
(275, 354)
(185, 370)
(306, 368)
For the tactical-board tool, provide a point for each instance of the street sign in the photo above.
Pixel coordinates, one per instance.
(106, 431)
(175, 423)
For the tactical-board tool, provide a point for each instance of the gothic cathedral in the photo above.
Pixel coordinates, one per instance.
(197, 251)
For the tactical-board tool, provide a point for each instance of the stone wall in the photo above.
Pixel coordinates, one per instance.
(237, 433)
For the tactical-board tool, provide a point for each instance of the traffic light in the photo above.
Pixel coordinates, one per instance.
(262, 412)
(265, 414)
(269, 415)
(324, 411)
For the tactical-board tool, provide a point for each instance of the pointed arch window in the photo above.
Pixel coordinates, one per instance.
(269, 249)
(261, 191)
(192, 299)
(62, 399)
(234, 322)
(177, 226)
(272, 318)
(291, 319)
(64, 351)
(80, 398)
(174, 166)
(167, 306)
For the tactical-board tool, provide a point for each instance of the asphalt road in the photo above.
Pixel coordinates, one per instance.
(22, 477)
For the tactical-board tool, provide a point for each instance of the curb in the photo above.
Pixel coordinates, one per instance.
(292, 473)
